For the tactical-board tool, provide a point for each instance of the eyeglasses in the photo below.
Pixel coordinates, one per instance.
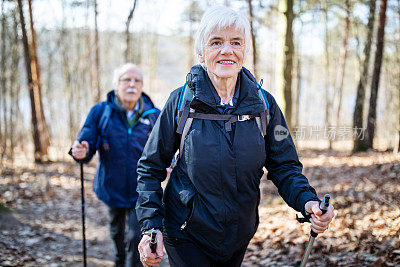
(129, 80)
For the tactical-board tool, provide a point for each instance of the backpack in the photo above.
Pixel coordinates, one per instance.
(105, 121)
(186, 115)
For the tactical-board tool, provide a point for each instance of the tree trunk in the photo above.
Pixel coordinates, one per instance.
(192, 18)
(3, 92)
(253, 38)
(40, 133)
(342, 69)
(398, 64)
(298, 93)
(358, 115)
(14, 85)
(375, 78)
(153, 61)
(328, 103)
(128, 56)
(288, 62)
(96, 66)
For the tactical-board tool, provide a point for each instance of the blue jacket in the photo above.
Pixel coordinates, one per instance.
(116, 177)
(213, 193)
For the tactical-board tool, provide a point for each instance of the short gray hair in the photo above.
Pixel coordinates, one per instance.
(220, 17)
(118, 72)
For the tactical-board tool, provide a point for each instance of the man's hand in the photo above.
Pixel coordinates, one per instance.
(146, 257)
(80, 150)
(319, 221)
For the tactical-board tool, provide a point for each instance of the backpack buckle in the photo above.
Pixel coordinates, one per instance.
(243, 117)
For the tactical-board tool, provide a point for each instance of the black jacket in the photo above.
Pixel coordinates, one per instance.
(214, 187)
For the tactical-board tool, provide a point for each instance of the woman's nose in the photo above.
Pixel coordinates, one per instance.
(226, 48)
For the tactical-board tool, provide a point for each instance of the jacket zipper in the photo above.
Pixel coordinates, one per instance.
(183, 226)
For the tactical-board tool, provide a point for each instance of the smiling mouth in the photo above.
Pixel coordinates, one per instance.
(131, 90)
(226, 62)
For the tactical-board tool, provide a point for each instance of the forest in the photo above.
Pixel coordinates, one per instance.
(332, 65)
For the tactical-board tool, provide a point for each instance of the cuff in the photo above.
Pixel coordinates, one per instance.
(154, 223)
(303, 198)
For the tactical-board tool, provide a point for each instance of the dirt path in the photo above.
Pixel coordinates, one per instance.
(41, 225)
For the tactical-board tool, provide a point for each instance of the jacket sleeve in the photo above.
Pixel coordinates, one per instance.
(89, 131)
(282, 162)
(157, 156)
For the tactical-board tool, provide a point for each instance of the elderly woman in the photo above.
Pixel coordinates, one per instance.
(209, 210)
(118, 128)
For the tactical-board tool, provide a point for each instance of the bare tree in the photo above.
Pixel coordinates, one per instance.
(376, 76)
(127, 33)
(328, 103)
(253, 38)
(298, 79)
(288, 62)
(95, 66)
(192, 14)
(343, 58)
(3, 92)
(358, 116)
(66, 59)
(398, 64)
(40, 133)
(14, 113)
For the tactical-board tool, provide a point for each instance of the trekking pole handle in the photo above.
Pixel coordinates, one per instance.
(153, 241)
(323, 206)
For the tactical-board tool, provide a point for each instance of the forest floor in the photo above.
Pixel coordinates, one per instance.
(40, 219)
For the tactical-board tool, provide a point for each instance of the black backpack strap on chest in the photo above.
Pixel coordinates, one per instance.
(186, 114)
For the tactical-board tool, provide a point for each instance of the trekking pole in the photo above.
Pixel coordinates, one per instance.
(323, 207)
(83, 210)
(83, 215)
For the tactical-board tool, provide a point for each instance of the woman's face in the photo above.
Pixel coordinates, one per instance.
(224, 52)
(130, 86)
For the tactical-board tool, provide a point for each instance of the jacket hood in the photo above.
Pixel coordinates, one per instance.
(249, 101)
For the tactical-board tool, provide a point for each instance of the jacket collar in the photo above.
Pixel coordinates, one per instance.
(248, 101)
(148, 104)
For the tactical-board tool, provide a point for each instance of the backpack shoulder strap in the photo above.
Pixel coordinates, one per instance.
(185, 95)
(105, 118)
(263, 120)
(184, 122)
(104, 125)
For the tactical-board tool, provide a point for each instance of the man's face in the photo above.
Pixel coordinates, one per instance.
(130, 86)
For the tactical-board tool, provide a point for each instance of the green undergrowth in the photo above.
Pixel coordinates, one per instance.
(4, 208)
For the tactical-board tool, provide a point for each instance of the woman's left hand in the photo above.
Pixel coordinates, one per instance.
(319, 221)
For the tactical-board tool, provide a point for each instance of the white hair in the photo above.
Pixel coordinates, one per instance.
(118, 72)
(220, 17)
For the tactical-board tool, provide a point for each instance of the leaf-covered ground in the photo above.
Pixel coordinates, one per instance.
(40, 219)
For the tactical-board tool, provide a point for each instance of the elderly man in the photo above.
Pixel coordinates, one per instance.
(118, 128)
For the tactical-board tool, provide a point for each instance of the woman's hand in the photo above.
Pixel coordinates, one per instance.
(319, 221)
(79, 150)
(146, 256)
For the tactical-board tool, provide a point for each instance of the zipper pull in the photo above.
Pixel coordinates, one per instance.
(129, 130)
(183, 226)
